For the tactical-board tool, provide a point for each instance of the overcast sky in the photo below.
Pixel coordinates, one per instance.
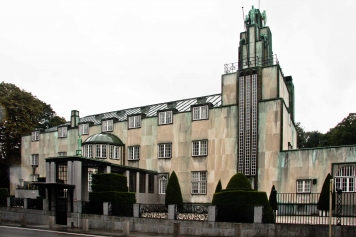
(101, 56)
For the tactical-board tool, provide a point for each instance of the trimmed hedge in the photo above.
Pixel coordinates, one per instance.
(112, 196)
(273, 198)
(109, 182)
(324, 198)
(4, 193)
(239, 181)
(173, 192)
(218, 187)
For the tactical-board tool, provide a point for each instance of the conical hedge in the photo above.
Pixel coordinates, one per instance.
(173, 192)
(218, 187)
(324, 199)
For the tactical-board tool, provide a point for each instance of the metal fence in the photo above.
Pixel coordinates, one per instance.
(157, 211)
(16, 202)
(192, 211)
(251, 62)
(35, 203)
(301, 208)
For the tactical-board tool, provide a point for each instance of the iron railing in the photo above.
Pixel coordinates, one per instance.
(158, 211)
(301, 208)
(35, 203)
(90, 207)
(16, 202)
(251, 62)
(192, 211)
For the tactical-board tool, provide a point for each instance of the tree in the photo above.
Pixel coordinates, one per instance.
(314, 139)
(273, 199)
(301, 135)
(344, 133)
(324, 198)
(218, 187)
(173, 192)
(21, 113)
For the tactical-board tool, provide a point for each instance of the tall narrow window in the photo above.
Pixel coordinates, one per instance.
(114, 152)
(107, 125)
(151, 185)
(91, 171)
(134, 153)
(163, 180)
(132, 182)
(84, 128)
(165, 117)
(34, 159)
(142, 188)
(88, 151)
(62, 173)
(200, 148)
(165, 150)
(199, 182)
(100, 151)
(35, 136)
(62, 132)
(135, 121)
(200, 112)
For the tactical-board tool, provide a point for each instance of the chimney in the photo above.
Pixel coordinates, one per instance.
(74, 118)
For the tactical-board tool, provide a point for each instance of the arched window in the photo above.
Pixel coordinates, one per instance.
(345, 179)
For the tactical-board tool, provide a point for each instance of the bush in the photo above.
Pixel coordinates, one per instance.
(4, 193)
(173, 192)
(109, 182)
(218, 187)
(273, 199)
(240, 182)
(112, 196)
(324, 198)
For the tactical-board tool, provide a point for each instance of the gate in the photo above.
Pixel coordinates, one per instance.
(61, 206)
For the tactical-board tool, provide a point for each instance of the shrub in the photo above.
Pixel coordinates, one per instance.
(218, 187)
(109, 182)
(324, 198)
(173, 192)
(273, 199)
(4, 193)
(112, 196)
(240, 182)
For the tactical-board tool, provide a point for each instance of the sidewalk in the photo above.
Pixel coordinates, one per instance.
(100, 232)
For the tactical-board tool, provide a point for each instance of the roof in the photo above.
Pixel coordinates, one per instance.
(103, 138)
(149, 110)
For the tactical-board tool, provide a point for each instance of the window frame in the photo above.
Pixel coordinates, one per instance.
(167, 148)
(134, 121)
(164, 120)
(134, 152)
(35, 159)
(114, 152)
(107, 125)
(162, 183)
(102, 151)
(62, 132)
(83, 128)
(345, 178)
(197, 112)
(305, 184)
(87, 150)
(201, 184)
(200, 147)
(35, 136)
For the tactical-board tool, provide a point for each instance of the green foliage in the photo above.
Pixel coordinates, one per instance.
(324, 198)
(309, 139)
(344, 133)
(240, 182)
(21, 113)
(4, 192)
(113, 196)
(173, 192)
(301, 135)
(218, 187)
(273, 199)
(109, 182)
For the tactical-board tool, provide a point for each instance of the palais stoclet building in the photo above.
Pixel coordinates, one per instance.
(248, 127)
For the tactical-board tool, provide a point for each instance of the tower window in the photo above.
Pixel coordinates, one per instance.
(62, 132)
(35, 136)
(165, 117)
(135, 121)
(200, 112)
(107, 125)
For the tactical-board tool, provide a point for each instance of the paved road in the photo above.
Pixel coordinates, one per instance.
(11, 231)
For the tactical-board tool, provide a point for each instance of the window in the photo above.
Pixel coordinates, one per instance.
(34, 159)
(162, 185)
(142, 188)
(151, 185)
(303, 186)
(132, 182)
(91, 171)
(134, 153)
(88, 151)
(199, 182)
(345, 179)
(107, 125)
(200, 148)
(165, 117)
(35, 136)
(62, 173)
(200, 112)
(165, 150)
(135, 121)
(114, 152)
(84, 128)
(63, 153)
(100, 151)
(62, 132)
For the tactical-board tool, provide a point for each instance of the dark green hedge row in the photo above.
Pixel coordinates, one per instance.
(239, 181)
(173, 191)
(112, 196)
(4, 192)
(109, 182)
(241, 205)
